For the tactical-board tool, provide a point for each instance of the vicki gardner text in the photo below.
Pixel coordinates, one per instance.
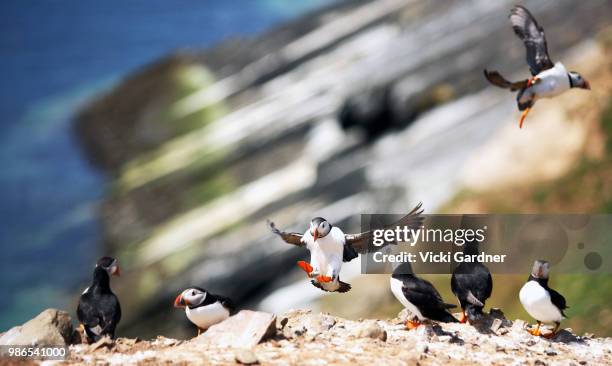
(438, 257)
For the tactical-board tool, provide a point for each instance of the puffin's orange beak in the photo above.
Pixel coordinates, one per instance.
(180, 302)
(316, 235)
(587, 85)
(117, 271)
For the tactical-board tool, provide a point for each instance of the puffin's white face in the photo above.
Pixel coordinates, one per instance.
(319, 228)
(540, 269)
(190, 297)
(110, 265)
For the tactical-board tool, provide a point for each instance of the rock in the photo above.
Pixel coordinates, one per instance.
(246, 357)
(371, 329)
(519, 325)
(550, 352)
(497, 313)
(104, 342)
(497, 323)
(306, 324)
(51, 327)
(243, 330)
(502, 331)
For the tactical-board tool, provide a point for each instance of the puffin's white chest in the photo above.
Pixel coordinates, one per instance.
(205, 316)
(396, 288)
(326, 252)
(537, 303)
(552, 82)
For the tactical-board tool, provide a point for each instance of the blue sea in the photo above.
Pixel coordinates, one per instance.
(54, 56)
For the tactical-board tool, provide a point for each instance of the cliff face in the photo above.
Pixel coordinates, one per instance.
(353, 109)
(305, 338)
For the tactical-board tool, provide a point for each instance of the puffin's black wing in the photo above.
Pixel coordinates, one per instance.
(225, 301)
(359, 242)
(558, 300)
(498, 80)
(427, 299)
(291, 238)
(87, 312)
(102, 312)
(532, 35)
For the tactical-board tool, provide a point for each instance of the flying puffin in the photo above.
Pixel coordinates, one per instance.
(548, 80)
(542, 303)
(203, 308)
(329, 247)
(419, 296)
(99, 311)
(472, 284)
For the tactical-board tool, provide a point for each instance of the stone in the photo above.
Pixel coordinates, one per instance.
(497, 313)
(104, 342)
(497, 323)
(306, 324)
(246, 357)
(52, 327)
(371, 329)
(243, 330)
(519, 325)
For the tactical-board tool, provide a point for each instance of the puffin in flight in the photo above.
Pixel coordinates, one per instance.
(99, 311)
(540, 301)
(329, 247)
(548, 80)
(419, 296)
(472, 284)
(203, 308)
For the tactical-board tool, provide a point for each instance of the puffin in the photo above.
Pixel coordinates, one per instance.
(99, 310)
(203, 308)
(541, 302)
(548, 79)
(472, 284)
(329, 247)
(420, 297)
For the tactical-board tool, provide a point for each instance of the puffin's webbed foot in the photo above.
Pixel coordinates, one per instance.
(536, 332)
(322, 278)
(553, 333)
(463, 318)
(412, 324)
(306, 267)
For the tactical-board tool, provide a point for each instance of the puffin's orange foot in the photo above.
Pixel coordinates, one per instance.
(322, 278)
(412, 324)
(463, 318)
(305, 266)
(523, 116)
(535, 332)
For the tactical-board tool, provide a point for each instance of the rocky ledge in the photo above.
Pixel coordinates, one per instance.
(307, 338)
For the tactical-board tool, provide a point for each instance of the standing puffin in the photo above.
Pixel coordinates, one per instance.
(471, 282)
(99, 311)
(203, 308)
(548, 80)
(329, 247)
(419, 296)
(542, 303)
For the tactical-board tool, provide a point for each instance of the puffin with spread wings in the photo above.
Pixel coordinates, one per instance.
(329, 247)
(548, 80)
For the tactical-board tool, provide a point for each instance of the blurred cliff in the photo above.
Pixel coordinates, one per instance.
(366, 106)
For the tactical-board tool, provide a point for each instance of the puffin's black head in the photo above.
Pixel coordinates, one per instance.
(110, 265)
(191, 297)
(403, 270)
(319, 228)
(540, 269)
(577, 81)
